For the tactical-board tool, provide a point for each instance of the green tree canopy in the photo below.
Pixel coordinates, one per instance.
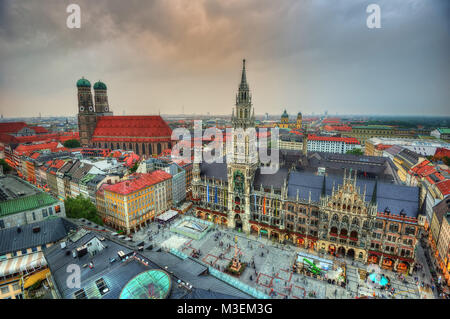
(355, 151)
(134, 167)
(72, 143)
(6, 167)
(446, 160)
(80, 207)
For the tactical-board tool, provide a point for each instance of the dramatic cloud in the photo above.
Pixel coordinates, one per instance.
(163, 55)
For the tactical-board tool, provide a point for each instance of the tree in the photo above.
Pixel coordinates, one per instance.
(72, 143)
(6, 167)
(355, 151)
(80, 207)
(446, 160)
(134, 167)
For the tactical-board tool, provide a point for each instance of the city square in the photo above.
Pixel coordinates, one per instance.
(272, 273)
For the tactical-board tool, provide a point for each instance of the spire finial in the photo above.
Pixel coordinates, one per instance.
(374, 194)
(243, 84)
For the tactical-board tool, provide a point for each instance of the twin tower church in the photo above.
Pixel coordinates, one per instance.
(342, 214)
(98, 128)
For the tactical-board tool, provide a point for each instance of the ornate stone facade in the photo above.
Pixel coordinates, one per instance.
(331, 214)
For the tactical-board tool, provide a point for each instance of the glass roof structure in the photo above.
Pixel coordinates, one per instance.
(151, 284)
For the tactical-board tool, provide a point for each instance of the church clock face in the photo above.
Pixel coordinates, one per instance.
(106, 109)
(81, 108)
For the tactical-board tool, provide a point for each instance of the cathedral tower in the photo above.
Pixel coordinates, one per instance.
(101, 97)
(86, 112)
(298, 125)
(242, 158)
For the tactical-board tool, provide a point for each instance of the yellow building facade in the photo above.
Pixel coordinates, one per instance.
(284, 121)
(132, 204)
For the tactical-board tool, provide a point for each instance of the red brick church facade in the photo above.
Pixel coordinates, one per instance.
(144, 135)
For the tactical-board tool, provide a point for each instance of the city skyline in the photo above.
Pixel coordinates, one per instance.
(184, 56)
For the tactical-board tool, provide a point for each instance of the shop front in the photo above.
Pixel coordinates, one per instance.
(387, 264)
(332, 250)
(373, 259)
(264, 233)
(403, 267)
(223, 221)
(254, 230)
(341, 252)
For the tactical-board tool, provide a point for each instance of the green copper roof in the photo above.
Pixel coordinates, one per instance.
(99, 86)
(18, 205)
(83, 83)
(285, 114)
(374, 127)
(151, 284)
(444, 130)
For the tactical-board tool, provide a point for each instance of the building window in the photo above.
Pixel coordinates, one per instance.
(34, 249)
(102, 286)
(4, 289)
(80, 294)
(2, 224)
(44, 213)
(24, 251)
(410, 231)
(393, 228)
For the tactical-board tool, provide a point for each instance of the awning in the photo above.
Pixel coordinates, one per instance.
(31, 280)
(167, 215)
(22, 263)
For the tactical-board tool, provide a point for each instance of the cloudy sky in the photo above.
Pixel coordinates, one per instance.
(166, 55)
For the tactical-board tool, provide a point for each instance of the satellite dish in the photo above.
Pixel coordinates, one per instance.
(91, 108)
(106, 109)
(81, 108)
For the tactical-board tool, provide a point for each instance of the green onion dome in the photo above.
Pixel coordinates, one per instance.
(99, 86)
(83, 83)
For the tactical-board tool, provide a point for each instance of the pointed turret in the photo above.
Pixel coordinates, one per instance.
(373, 201)
(243, 85)
(324, 189)
(243, 117)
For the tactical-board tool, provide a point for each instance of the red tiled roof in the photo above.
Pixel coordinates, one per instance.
(382, 147)
(131, 128)
(35, 155)
(441, 152)
(30, 148)
(331, 121)
(138, 181)
(101, 189)
(341, 128)
(8, 139)
(12, 127)
(62, 137)
(444, 187)
(58, 164)
(348, 140)
(295, 132)
(38, 129)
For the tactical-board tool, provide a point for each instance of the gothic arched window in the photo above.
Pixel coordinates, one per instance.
(158, 148)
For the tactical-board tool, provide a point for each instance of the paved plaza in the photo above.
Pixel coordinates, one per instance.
(272, 271)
